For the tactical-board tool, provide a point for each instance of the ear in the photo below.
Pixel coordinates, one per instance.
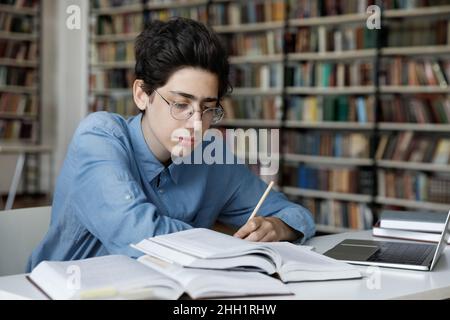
(139, 95)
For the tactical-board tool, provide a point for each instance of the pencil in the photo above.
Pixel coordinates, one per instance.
(261, 201)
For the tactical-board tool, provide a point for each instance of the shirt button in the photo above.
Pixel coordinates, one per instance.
(127, 197)
(161, 191)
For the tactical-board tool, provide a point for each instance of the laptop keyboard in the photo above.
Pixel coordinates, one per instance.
(402, 253)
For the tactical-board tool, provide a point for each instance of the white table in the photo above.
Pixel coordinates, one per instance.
(378, 283)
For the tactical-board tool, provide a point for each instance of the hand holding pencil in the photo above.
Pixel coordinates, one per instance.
(265, 229)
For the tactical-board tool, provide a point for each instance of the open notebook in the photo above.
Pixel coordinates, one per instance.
(206, 249)
(121, 277)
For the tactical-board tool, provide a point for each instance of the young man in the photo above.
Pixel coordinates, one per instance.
(118, 184)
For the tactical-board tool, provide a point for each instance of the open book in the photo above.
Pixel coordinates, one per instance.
(206, 249)
(121, 277)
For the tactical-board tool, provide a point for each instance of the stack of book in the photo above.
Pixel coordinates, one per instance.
(199, 262)
(411, 225)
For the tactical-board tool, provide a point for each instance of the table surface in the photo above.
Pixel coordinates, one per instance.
(377, 283)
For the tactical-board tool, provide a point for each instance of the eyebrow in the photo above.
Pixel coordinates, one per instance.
(190, 96)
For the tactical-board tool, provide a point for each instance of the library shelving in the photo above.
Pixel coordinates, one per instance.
(20, 90)
(414, 101)
(336, 90)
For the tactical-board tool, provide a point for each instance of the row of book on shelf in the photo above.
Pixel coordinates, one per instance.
(271, 42)
(111, 79)
(346, 145)
(262, 10)
(123, 105)
(16, 23)
(261, 76)
(341, 180)
(414, 185)
(302, 74)
(240, 12)
(413, 147)
(331, 108)
(338, 214)
(18, 104)
(324, 38)
(18, 50)
(417, 109)
(17, 76)
(396, 184)
(21, 3)
(258, 107)
(414, 72)
(15, 130)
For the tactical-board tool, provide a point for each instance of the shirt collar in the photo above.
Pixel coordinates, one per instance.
(145, 158)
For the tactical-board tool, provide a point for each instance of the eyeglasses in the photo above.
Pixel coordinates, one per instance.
(184, 111)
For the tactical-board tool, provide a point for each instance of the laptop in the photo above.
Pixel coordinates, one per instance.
(401, 255)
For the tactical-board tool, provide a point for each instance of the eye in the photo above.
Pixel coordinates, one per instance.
(180, 105)
(208, 108)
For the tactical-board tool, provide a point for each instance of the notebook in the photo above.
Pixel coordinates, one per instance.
(120, 277)
(207, 249)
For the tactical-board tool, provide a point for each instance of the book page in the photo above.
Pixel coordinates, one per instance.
(295, 257)
(204, 243)
(254, 262)
(200, 283)
(101, 278)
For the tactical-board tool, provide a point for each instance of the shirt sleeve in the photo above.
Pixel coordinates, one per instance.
(248, 189)
(110, 201)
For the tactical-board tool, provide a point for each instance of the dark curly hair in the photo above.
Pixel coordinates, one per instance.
(165, 47)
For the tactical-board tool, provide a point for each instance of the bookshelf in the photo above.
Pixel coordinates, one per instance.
(20, 90)
(414, 94)
(365, 93)
(313, 70)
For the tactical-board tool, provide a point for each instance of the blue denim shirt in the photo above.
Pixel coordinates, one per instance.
(107, 195)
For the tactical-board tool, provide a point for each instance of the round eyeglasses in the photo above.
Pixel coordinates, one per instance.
(184, 111)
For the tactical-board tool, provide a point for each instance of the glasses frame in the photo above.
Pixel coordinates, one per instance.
(171, 106)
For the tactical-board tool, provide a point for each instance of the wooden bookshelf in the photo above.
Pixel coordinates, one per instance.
(427, 127)
(332, 125)
(412, 204)
(327, 195)
(405, 165)
(335, 161)
(20, 90)
(325, 56)
(415, 54)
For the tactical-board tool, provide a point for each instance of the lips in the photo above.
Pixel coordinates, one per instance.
(186, 140)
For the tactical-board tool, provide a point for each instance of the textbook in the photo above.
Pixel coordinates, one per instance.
(207, 249)
(413, 220)
(406, 234)
(120, 277)
(410, 225)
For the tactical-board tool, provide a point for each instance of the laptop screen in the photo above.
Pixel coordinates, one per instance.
(443, 242)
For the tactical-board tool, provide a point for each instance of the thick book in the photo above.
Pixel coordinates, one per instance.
(425, 221)
(119, 277)
(406, 234)
(207, 249)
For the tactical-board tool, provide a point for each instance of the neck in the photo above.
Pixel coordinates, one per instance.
(155, 145)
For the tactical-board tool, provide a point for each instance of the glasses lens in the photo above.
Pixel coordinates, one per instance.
(216, 115)
(181, 111)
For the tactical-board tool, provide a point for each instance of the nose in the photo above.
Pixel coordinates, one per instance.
(196, 117)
